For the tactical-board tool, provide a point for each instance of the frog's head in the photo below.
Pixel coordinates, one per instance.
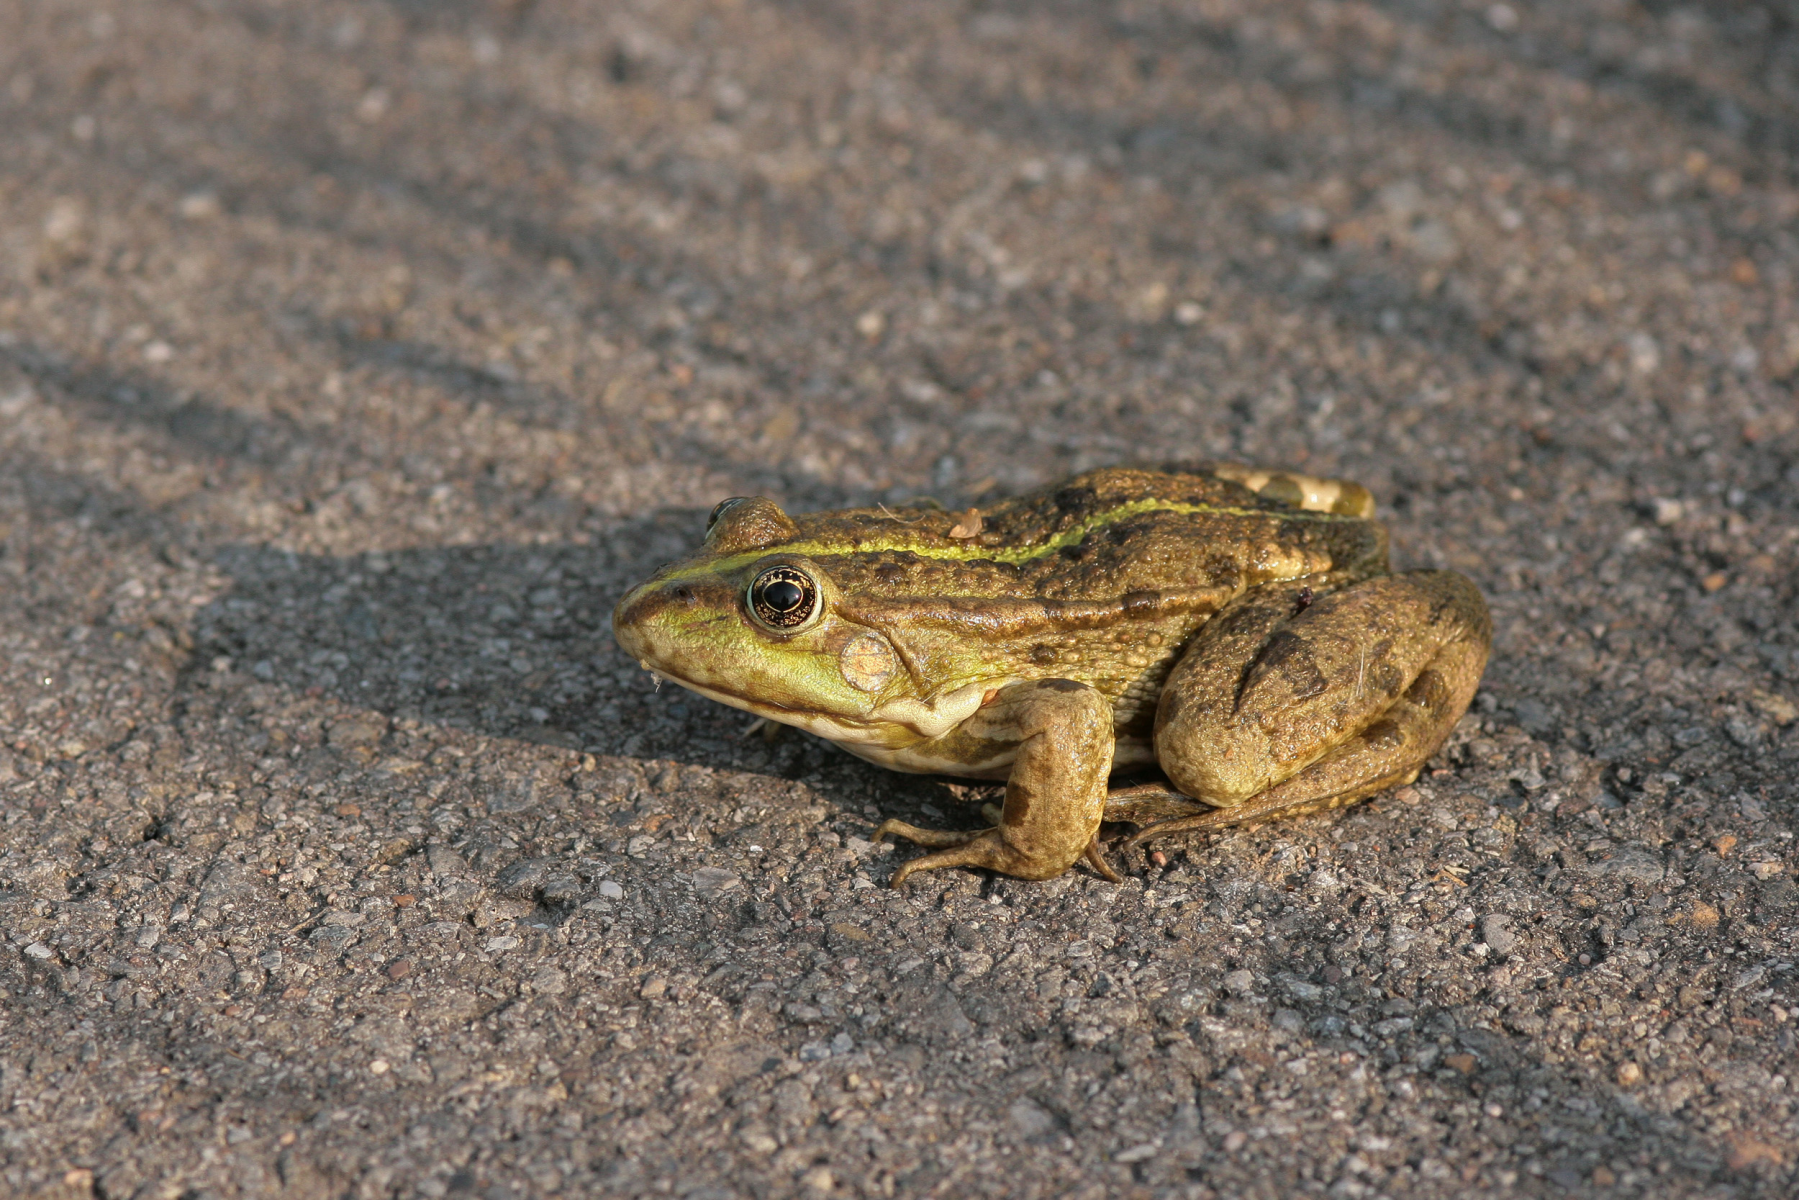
(755, 621)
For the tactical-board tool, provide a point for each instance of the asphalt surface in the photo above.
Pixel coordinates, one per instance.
(354, 358)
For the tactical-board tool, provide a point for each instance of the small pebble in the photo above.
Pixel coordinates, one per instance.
(1495, 931)
(1239, 983)
(199, 206)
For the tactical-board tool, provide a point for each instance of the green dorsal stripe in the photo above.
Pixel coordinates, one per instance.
(969, 552)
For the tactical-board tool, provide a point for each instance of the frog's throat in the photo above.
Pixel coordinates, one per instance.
(895, 722)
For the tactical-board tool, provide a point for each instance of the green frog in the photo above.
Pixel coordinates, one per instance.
(1236, 627)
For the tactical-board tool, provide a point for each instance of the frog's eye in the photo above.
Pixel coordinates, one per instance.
(783, 598)
(721, 508)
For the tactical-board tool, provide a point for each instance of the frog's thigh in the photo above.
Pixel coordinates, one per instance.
(1353, 692)
(1056, 791)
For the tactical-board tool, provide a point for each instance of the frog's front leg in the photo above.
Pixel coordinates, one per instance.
(1283, 705)
(1055, 795)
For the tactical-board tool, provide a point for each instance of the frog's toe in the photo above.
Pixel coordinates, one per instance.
(982, 849)
(1213, 819)
(926, 837)
(1096, 858)
(990, 850)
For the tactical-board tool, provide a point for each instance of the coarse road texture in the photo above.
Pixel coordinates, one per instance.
(354, 358)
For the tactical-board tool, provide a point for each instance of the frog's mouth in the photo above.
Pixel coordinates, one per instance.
(833, 729)
(892, 726)
(761, 708)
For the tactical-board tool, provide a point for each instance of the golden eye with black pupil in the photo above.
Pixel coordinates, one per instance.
(721, 508)
(783, 598)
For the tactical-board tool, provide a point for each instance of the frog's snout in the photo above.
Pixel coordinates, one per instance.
(633, 618)
(647, 621)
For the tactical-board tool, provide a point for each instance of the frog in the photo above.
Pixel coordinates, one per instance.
(1235, 629)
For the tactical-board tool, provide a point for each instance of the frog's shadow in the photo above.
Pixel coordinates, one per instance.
(504, 640)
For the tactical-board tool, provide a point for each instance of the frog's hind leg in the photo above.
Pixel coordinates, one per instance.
(1281, 709)
(1342, 777)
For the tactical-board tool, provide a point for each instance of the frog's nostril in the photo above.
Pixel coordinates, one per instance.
(681, 592)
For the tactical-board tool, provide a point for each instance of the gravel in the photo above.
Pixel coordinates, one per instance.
(355, 357)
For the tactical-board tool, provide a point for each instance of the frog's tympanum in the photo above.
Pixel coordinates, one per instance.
(1237, 627)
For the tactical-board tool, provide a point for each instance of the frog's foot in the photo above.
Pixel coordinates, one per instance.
(926, 837)
(1284, 801)
(986, 848)
(1093, 855)
(977, 848)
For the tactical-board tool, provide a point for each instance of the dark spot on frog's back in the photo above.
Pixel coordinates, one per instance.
(1221, 571)
(1042, 655)
(1078, 500)
(1141, 604)
(1060, 685)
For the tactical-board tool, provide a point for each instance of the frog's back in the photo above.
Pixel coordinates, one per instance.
(1110, 533)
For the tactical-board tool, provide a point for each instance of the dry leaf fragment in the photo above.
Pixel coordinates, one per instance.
(1746, 1150)
(1775, 707)
(968, 524)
